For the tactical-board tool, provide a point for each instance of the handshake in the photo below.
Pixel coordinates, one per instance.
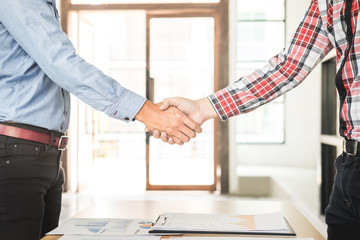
(176, 120)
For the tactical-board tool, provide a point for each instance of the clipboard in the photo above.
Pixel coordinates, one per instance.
(171, 223)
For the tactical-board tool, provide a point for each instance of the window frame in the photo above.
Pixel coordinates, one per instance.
(238, 20)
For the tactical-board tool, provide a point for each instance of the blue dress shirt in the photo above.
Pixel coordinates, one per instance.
(39, 67)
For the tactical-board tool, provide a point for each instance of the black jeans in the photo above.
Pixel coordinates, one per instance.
(342, 213)
(31, 180)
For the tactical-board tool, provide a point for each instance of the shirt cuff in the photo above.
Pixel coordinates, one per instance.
(217, 106)
(128, 106)
(223, 104)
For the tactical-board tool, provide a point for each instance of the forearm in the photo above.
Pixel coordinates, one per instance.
(146, 113)
(48, 50)
(206, 108)
(284, 71)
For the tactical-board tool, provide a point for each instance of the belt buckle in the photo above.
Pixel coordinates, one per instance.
(354, 151)
(63, 138)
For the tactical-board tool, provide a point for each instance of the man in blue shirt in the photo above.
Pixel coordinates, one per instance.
(38, 69)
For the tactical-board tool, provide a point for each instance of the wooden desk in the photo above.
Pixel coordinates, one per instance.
(149, 209)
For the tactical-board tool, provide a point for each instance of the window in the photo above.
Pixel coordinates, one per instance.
(260, 35)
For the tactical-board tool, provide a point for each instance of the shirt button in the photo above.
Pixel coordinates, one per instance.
(127, 119)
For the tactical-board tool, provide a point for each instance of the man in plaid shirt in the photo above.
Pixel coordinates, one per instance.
(327, 24)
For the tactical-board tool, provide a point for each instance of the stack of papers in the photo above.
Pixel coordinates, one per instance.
(261, 224)
(236, 238)
(111, 226)
(102, 237)
(173, 224)
(105, 229)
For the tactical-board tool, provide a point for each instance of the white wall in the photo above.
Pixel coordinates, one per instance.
(302, 116)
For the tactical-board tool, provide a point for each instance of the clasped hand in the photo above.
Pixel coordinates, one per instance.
(185, 119)
(171, 121)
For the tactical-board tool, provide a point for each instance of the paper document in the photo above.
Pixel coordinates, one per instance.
(268, 224)
(97, 237)
(98, 226)
(235, 238)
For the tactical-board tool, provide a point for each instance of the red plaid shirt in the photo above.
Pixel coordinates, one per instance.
(322, 29)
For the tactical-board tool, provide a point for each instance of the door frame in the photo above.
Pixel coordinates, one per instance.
(178, 13)
(220, 12)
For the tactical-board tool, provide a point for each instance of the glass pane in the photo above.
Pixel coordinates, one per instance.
(140, 1)
(120, 52)
(259, 41)
(261, 34)
(246, 68)
(264, 125)
(261, 10)
(182, 64)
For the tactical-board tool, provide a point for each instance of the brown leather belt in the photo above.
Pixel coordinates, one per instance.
(16, 132)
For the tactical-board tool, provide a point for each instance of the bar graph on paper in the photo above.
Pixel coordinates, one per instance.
(244, 222)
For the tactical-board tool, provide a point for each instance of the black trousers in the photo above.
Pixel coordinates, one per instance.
(343, 211)
(31, 180)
